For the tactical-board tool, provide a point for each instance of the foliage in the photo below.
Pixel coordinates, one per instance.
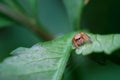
(47, 60)
(37, 62)
(106, 43)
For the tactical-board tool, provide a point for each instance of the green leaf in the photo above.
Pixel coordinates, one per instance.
(74, 9)
(12, 5)
(5, 22)
(101, 43)
(29, 6)
(43, 61)
(47, 61)
(32, 4)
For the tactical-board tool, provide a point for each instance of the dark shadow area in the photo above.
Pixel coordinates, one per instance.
(102, 16)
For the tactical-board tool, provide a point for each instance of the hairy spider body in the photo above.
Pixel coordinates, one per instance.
(80, 39)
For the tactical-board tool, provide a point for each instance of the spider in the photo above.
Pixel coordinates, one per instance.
(80, 39)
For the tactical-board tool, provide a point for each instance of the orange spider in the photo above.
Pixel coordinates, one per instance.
(80, 39)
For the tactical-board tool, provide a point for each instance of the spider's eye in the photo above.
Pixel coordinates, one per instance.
(78, 39)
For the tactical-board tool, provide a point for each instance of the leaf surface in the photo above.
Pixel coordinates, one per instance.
(5, 22)
(47, 61)
(43, 61)
(100, 43)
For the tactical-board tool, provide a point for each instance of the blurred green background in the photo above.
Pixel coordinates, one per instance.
(99, 16)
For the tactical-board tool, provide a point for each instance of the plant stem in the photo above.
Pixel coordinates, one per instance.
(21, 18)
